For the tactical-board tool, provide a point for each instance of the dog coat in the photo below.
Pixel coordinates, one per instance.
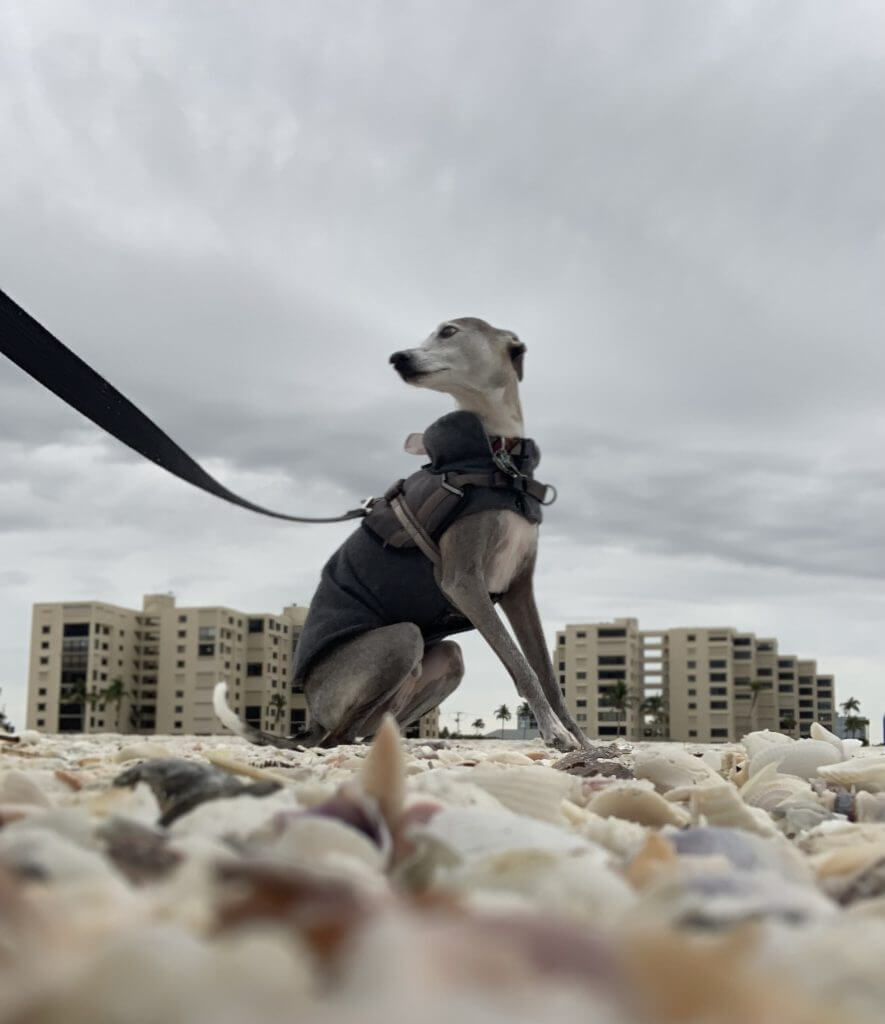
(378, 577)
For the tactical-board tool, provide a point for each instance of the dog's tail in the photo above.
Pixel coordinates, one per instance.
(236, 725)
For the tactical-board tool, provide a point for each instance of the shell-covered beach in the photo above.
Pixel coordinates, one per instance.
(201, 879)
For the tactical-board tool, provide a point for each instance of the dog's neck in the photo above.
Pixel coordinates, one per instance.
(500, 411)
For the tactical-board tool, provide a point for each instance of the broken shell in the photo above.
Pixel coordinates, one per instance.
(801, 758)
(535, 791)
(768, 788)
(866, 773)
(637, 803)
(672, 767)
(753, 742)
(818, 732)
(722, 805)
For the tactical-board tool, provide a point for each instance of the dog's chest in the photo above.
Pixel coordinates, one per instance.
(512, 553)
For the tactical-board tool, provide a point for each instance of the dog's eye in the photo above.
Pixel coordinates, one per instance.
(447, 331)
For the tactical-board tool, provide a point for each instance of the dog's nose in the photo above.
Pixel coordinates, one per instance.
(399, 360)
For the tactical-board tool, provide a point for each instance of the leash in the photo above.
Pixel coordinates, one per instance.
(41, 355)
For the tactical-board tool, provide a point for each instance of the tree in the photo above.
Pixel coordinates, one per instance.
(756, 687)
(5, 724)
(854, 724)
(503, 713)
(276, 706)
(788, 721)
(620, 699)
(849, 706)
(524, 716)
(114, 693)
(654, 708)
(479, 725)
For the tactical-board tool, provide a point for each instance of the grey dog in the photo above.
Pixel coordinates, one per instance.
(374, 641)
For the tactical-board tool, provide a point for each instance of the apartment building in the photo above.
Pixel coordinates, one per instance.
(710, 684)
(97, 667)
(593, 662)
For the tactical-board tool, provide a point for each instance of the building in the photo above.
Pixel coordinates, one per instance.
(594, 663)
(97, 667)
(710, 684)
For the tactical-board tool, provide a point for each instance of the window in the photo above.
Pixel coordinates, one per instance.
(45, 629)
(743, 655)
(581, 634)
(691, 664)
(562, 666)
(581, 675)
(207, 633)
(44, 661)
(764, 672)
(42, 691)
(41, 721)
(721, 734)
(692, 732)
(179, 709)
(41, 707)
(605, 633)
(562, 680)
(611, 659)
(718, 663)
(825, 705)
(718, 705)
(582, 717)
(785, 688)
(692, 678)
(718, 677)
(718, 691)
(691, 637)
(179, 693)
(581, 703)
(254, 668)
(256, 625)
(806, 703)
(182, 618)
(612, 673)
(692, 706)
(741, 641)
(177, 725)
(692, 693)
(76, 629)
(785, 675)
(206, 650)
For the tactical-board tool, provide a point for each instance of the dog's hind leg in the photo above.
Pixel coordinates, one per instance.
(357, 680)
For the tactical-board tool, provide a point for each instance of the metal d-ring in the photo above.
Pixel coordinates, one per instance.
(550, 487)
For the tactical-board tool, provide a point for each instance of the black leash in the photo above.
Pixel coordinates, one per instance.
(29, 345)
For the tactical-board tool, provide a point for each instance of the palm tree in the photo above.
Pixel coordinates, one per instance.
(276, 706)
(503, 713)
(850, 705)
(479, 725)
(855, 724)
(788, 721)
(653, 707)
(756, 687)
(620, 699)
(5, 724)
(114, 693)
(524, 716)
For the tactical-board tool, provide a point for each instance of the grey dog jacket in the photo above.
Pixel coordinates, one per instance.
(378, 577)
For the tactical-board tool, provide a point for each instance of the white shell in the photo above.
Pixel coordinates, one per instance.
(722, 805)
(637, 803)
(802, 758)
(818, 732)
(753, 742)
(670, 767)
(535, 791)
(769, 787)
(861, 772)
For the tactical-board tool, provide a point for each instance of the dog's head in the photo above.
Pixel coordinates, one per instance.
(463, 355)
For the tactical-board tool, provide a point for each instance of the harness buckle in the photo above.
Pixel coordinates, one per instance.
(367, 504)
(503, 461)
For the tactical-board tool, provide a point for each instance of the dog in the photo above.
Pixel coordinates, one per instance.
(375, 638)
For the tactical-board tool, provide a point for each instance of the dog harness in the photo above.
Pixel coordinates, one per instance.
(384, 572)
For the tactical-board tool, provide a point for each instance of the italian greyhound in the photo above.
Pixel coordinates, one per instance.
(392, 668)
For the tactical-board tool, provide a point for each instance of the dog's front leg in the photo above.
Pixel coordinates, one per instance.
(466, 589)
(522, 612)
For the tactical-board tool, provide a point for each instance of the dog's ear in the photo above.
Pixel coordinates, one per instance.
(516, 350)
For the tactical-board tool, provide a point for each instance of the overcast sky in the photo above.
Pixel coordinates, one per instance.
(236, 213)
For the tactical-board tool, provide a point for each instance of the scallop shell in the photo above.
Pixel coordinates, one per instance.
(639, 804)
(622, 838)
(672, 767)
(535, 791)
(861, 772)
(801, 758)
(869, 807)
(769, 787)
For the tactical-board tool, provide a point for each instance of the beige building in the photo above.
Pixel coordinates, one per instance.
(97, 667)
(710, 684)
(591, 660)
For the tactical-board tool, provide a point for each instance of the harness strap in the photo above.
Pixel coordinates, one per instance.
(415, 530)
(29, 345)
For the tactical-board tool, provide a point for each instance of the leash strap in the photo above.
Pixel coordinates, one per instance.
(30, 346)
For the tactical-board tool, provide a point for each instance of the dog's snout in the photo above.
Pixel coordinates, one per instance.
(399, 360)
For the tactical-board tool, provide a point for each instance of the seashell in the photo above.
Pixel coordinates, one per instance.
(453, 789)
(509, 757)
(637, 803)
(221, 758)
(140, 852)
(832, 835)
(535, 791)
(754, 742)
(16, 787)
(144, 749)
(589, 761)
(382, 776)
(656, 856)
(469, 834)
(622, 838)
(848, 859)
(722, 805)
(869, 806)
(795, 817)
(672, 767)
(719, 898)
(818, 732)
(744, 850)
(768, 787)
(712, 758)
(324, 844)
(233, 818)
(867, 773)
(851, 746)
(41, 854)
(180, 785)
(801, 758)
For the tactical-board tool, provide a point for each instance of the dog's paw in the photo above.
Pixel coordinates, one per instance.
(561, 739)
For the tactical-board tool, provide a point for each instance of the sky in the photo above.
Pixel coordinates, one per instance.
(237, 212)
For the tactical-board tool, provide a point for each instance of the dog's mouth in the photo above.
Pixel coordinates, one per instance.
(410, 375)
